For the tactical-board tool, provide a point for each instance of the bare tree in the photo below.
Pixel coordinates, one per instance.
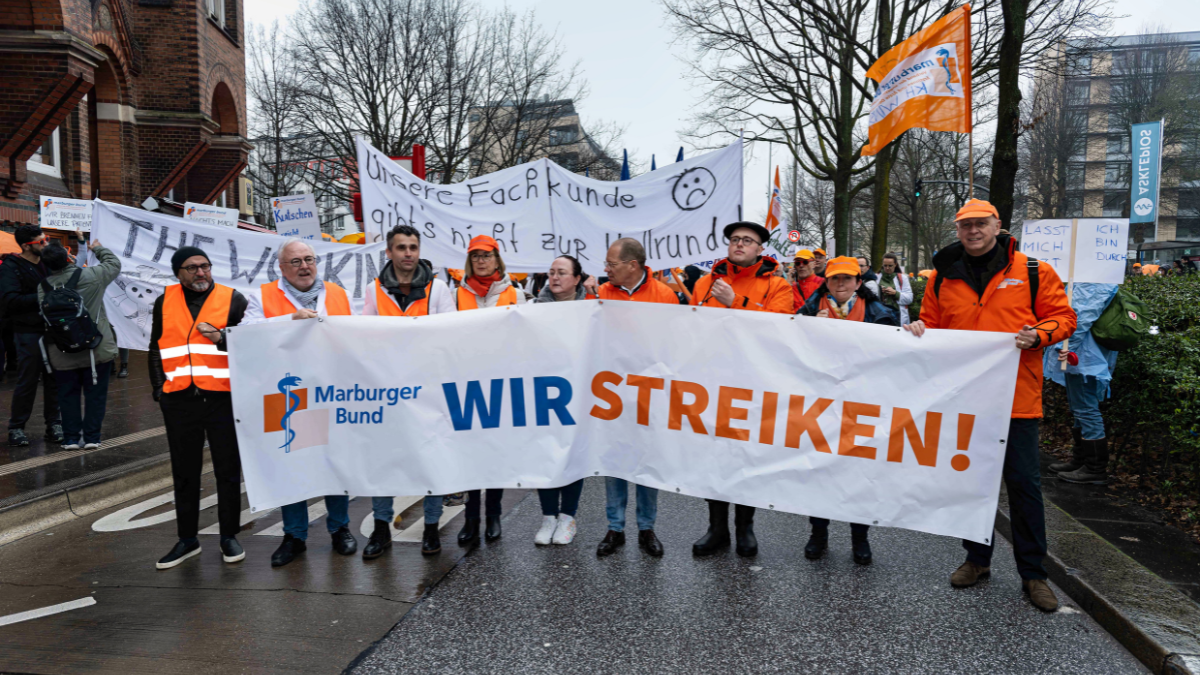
(808, 206)
(1054, 136)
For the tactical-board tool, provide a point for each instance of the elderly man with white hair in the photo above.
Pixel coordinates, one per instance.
(297, 295)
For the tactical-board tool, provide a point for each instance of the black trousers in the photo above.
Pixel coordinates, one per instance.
(857, 530)
(30, 369)
(493, 503)
(1023, 480)
(190, 417)
(741, 512)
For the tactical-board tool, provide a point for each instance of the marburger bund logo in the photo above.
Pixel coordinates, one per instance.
(288, 412)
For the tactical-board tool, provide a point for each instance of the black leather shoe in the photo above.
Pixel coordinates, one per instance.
(862, 551)
(54, 433)
(717, 536)
(182, 551)
(747, 543)
(650, 543)
(380, 541)
(231, 550)
(344, 542)
(288, 550)
(123, 372)
(818, 541)
(469, 534)
(493, 528)
(431, 544)
(612, 541)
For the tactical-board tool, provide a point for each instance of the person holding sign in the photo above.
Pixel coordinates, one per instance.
(984, 283)
(485, 284)
(297, 295)
(630, 279)
(844, 296)
(406, 286)
(743, 280)
(189, 371)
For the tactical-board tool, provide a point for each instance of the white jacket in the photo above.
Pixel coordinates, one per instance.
(905, 298)
(441, 299)
(493, 294)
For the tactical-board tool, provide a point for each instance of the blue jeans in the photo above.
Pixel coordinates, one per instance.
(570, 499)
(382, 506)
(433, 510)
(295, 516)
(617, 498)
(71, 384)
(1084, 394)
(1023, 479)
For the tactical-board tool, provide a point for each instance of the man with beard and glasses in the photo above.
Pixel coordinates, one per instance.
(189, 371)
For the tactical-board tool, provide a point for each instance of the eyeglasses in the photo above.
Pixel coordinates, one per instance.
(744, 241)
(802, 262)
(302, 262)
(610, 264)
(192, 269)
(482, 255)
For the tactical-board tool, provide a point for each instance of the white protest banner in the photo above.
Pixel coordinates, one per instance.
(1094, 252)
(245, 260)
(1050, 242)
(212, 215)
(836, 419)
(1101, 247)
(66, 214)
(296, 216)
(539, 210)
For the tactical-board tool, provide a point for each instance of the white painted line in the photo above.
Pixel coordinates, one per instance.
(47, 611)
(399, 504)
(71, 454)
(247, 516)
(416, 532)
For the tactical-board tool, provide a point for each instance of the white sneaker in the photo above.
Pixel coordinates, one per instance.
(91, 446)
(565, 532)
(547, 531)
(70, 446)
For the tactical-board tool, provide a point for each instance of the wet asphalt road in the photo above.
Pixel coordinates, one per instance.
(511, 607)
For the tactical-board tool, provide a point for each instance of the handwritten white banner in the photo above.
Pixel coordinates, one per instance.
(836, 419)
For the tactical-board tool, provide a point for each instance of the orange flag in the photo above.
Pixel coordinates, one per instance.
(924, 82)
(775, 211)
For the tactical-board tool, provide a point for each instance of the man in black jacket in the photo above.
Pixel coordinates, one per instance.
(197, 404)
(20, 276)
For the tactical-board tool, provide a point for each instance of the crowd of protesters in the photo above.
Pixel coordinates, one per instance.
(981, 282)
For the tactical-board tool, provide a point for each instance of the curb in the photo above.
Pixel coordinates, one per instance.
(33, 513)
(1149, 617)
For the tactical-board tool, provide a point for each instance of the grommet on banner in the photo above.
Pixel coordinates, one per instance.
(518, 485)
(694, 309)
(771, 505)
(596, 474)
(320, 320)
(677, 489)
(238, 421)
(429, 492)
(874, 522)
(1002, 440)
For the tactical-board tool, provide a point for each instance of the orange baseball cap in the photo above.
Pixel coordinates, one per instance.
(483, 243)
(1137, 264)
(804, 254)
(819, 251)
(842, 265)
(976, 208)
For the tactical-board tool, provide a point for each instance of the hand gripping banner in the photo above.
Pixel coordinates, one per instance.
(835, 419)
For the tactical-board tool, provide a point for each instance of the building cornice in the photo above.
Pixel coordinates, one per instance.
(50, 42)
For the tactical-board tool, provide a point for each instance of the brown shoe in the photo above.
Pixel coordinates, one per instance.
(1040, 594)
(969, 574)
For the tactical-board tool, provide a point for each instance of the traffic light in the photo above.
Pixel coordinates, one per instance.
(920, 183)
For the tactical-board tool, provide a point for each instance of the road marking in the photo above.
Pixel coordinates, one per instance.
(247, 516)
(53, 457)
(47, 611)
(124, 519)
(398, 506)
(314, 513)
(416, 532)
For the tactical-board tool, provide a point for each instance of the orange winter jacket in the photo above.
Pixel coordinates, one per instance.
(1006, 306)
(755, 287)
(650, 290)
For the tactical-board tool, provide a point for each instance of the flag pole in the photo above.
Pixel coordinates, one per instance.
(970, 164)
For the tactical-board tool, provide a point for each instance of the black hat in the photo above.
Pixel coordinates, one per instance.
(763, 233)
(183, 254)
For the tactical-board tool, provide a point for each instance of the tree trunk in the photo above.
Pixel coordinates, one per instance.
(882, 193)
(1008, 117)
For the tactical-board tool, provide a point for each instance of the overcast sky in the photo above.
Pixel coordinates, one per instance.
(637, 79)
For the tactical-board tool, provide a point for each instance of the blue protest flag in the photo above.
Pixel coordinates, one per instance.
(653, 166)
(680, 157)
(625, 167)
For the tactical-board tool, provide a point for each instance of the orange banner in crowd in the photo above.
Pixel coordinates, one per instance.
(775, 213)
(924, 82)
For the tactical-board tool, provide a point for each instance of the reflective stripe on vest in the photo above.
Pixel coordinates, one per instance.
(468, 300)
(275, 302)
(386, 304)
(187, 356)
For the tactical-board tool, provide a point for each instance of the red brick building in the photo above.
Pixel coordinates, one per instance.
(124, 99)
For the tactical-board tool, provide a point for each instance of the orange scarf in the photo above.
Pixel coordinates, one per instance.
(857, 313)
(481, 285)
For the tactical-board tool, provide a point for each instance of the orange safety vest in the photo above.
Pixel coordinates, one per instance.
(187, 356)
(275, 302)
(386, 304)
(468, 300)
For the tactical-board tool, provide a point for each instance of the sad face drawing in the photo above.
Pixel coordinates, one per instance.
(693, 188)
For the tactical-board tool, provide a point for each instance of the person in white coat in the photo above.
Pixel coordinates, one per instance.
(895, 287)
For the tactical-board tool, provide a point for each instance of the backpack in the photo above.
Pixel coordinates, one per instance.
(1123, 323)
(68, 323)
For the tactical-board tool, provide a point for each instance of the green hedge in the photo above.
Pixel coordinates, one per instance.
(1152, 417)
